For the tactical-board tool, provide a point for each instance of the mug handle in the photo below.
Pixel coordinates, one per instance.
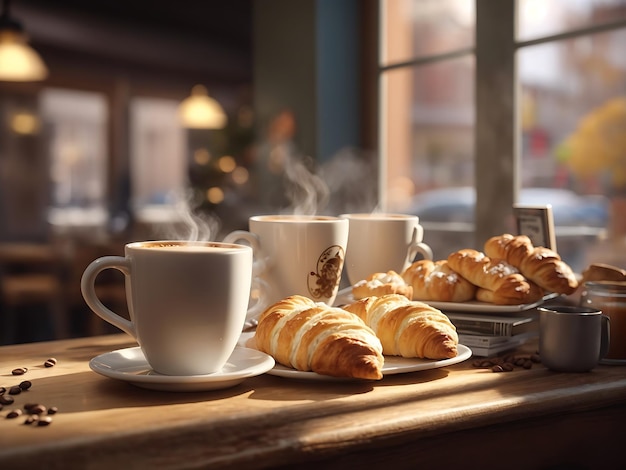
(418, 247)
(605, 336)
(87, 287)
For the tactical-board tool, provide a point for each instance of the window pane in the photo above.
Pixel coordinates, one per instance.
(77, 124)
(573, 128)
(428, 140)
(414, 28)
(539, 18)
(158, 165)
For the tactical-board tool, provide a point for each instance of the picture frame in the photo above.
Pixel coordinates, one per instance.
(537, 223)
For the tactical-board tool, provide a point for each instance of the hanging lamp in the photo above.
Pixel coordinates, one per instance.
(200, 111)
(18, 61)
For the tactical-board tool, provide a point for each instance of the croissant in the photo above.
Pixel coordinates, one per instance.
(381, 284)
(498, 282)
(539, 264)
(435, 280)
(408, 328)
(310, 336)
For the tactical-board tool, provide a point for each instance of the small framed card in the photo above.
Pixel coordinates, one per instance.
(537, 223)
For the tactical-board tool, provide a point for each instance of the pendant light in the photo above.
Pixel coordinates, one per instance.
(200, 111)
(18, 61)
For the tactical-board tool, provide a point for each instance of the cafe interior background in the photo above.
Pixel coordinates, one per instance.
(453, 110)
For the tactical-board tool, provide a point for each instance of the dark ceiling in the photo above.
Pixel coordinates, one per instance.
(206, 39)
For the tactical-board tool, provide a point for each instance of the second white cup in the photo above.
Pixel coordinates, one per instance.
(297, 254)
(383, 242)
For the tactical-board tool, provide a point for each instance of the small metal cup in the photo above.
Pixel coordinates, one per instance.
(572, 339)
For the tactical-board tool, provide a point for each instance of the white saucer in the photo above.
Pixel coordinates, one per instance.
(130, 365)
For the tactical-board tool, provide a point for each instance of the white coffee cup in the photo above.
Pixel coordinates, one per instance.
(187, 301)
(297, 254)
(383, 242)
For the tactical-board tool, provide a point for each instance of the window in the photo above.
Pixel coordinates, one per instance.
(76, 126)
(483, 105)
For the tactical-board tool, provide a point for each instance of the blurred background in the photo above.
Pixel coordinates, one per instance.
(453, 110)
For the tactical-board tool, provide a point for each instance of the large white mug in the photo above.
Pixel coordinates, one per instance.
(297, 254)
(381, 242)
(187, 301)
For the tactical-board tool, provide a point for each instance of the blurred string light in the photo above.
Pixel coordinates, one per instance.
(226, 164)
(201, 156)
(18, 61)
(240, 175)
(25, 123)
(200, 111)
(215, 195)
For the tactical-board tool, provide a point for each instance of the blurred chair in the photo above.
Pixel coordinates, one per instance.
(32, 275)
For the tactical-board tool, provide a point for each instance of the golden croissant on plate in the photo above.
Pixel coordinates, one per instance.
(541, 265)
(498, 282)
(408, 328)
(311, 336)
(381, 284)
(435, 280)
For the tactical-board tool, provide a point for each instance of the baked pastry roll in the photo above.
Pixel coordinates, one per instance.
(311, 336)
(382, 284)
(436, 280)
(539, 264)
(408, 328)
(498, 282)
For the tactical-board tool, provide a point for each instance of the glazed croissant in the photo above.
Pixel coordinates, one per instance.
(498, 282)
(310, 336)
(408, 328)
(435, 280)
(381, 284)
(539, 264)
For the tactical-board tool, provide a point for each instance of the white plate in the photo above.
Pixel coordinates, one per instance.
(393, 364)
(130, 365)
(344, 296)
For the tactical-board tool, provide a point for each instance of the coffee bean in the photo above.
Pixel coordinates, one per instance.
(37, 410)
(19, 371)
(53, 410)
(2, 390)
(528, 364)
(508, 367)
(31, 419)
(45, 421)
(28, 406)
(15, 390)
(50, 362)
(535, 358)
(6, 399)
(497, 368)
(26, 384)
(14, 413)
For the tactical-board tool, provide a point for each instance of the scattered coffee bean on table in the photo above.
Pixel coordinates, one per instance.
(6, 400)
(14, 413)
(19, 370)
(507, 363)
(45, 421)
(50, 362)
(26, 384)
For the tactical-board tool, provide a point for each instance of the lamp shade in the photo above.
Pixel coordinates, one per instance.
(18, 61)
(200, 111)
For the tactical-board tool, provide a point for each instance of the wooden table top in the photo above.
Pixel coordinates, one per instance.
(269, 421)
